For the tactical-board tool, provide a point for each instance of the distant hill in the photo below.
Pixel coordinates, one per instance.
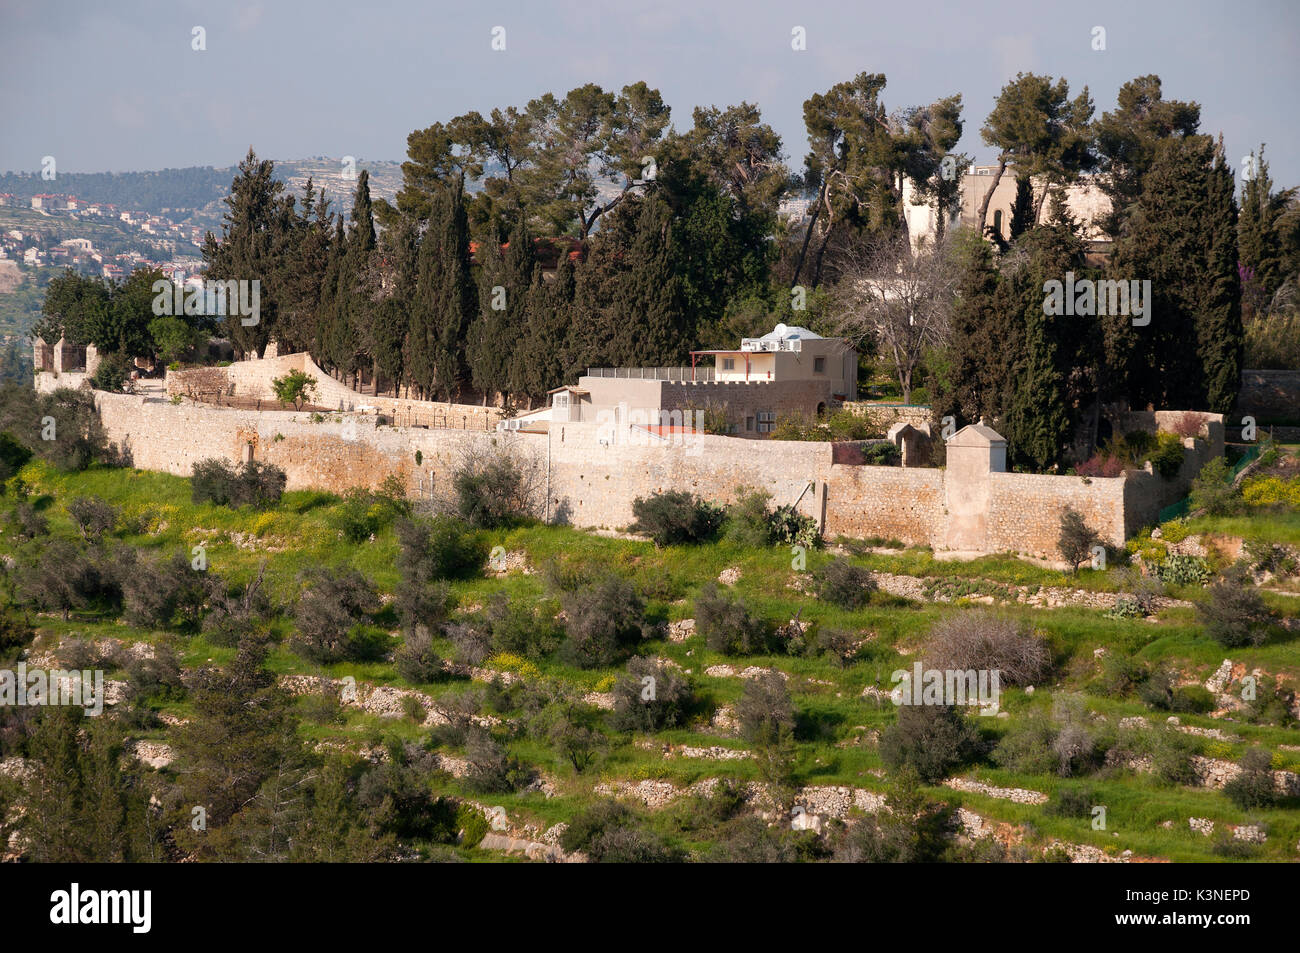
(191, 188)
(194, 194)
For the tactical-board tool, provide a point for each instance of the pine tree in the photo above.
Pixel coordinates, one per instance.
(255, 239)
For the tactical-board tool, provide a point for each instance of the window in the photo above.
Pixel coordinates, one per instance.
(819, 365)
(749, 424)
(766, 421)
(728, 363)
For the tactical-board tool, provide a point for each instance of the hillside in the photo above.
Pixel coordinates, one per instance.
(496, 709)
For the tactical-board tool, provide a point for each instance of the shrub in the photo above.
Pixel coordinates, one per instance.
(982, 641)
(1076, 539)
(112, 373)
(15, 632)
(473, 825)
(1167, 458)
(490, 769)
(473, 644)
(1253, 787)
(416, 661)
(884, 454)
(1212, 490)
(1071, 802)
(765, 711)
(30, 522)
(748, 520)
(1182, 570)
(1120, 674)
(521, 629)
(1064, 743)
(843, 584)
(441, 547)
(254, 483)
(650, 706)
(915, 829)
(1272, 492)
(164, 593)
(366, 513)
(93, 517)
(837, 645)
(1235, 614)
(329, 613)
(676, 517)
(727, 625)
(930, 739)
(1101, 464)
(603, 620)
(1189, 423)
(494, 490)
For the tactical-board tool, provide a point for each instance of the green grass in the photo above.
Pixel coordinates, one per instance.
(301, 533)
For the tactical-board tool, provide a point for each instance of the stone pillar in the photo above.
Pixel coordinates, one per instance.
(974, 452)
(92, 360)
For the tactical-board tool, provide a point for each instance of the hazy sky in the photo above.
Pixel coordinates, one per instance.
(114, 84)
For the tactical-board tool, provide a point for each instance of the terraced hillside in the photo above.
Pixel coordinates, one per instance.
(325, 678)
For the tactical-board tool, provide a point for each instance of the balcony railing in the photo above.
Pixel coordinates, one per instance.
(653, 373)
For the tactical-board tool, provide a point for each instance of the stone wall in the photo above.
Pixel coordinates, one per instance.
(886, 415)
(252, 380)
(593, 483)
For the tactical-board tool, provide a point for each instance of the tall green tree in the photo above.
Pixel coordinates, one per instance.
(253, 246)
(1261, 236)
(1127, 139)
(1039, 130)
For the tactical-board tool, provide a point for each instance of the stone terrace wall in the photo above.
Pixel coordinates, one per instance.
(252, 379)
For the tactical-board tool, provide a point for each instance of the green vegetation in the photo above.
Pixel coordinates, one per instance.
(407, 603)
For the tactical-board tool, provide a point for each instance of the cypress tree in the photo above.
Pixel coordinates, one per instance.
(488, 344)
(1220, 337)
(453, 295)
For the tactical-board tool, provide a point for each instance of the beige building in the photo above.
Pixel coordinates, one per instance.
(1084, 200)
(789, 371)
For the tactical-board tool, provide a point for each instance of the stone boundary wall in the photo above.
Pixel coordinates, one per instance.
(889, 502)
(886, 415)
(593, 484)
(252, 379)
